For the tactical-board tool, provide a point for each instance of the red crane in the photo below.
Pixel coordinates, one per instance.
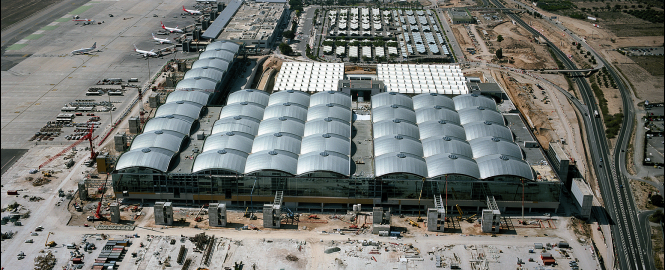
(88, 137)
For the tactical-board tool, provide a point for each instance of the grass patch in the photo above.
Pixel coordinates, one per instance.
(80, 10)
(63, 20)
(652, 63)
(16, 47)
(34, 36)
(637, 29)
(49, 27)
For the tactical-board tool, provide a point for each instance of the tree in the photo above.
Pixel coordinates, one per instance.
(657, 200)
(289, 34)
(285, 48)
(499, 38)
(499, 53)
(579, 46)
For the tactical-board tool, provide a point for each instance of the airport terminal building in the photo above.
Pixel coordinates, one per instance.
(325, 156)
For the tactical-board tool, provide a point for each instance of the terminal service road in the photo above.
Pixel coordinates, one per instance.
(630, 237)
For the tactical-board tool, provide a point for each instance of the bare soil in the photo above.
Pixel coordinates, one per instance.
(641, 192)
(657, 243)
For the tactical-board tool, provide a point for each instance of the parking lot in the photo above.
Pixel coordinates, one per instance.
(377, 35)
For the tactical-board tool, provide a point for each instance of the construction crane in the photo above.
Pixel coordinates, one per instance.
(86, 137)
(420, 219)
(459, 210)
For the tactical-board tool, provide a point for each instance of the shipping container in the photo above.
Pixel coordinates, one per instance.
(12, 192)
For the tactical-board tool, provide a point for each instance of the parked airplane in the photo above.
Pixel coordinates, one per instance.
(145, 53)
(85, 50)
(170, 29)
(161, 40)
(191, 11)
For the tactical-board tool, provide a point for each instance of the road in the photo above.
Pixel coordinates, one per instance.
(631, 239)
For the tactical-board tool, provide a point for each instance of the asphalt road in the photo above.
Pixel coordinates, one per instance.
(9, 157)
(28, 26)
(631, 239)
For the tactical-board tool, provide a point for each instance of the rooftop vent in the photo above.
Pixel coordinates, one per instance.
(145, 150)
(286, 103)
(169, 116)
(180, 102)
(326, 135)
(244, 103)
(158, 132)
(433, 94)
(283, 118)
(496, 139)
(442, 121)
(249, 90)
(400, 155)
(502, 157)
(221, 151)
(392, 93)
(397, 120)
(452, 156)
(438, 107)
(325, 154)
(446, 138)
(290, 91)
(487, 123)
(272, 153)
(330, 105)
(399, 137)
(481, 108)
(230, 133)
(474, 95)
(278, 134)
(394, 106)
(237, 117)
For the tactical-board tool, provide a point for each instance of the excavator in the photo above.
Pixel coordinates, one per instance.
(47, 243)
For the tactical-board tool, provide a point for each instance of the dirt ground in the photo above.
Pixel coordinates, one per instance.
(657, 243)
(518, 45)
(641, 192)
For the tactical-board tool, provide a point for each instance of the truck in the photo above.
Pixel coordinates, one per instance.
(595, 113)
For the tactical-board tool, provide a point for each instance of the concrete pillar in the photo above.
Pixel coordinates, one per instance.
(377, 215)
(436, 219)
(83, 191)
(163, 213)
(217, 215)
(115, 213)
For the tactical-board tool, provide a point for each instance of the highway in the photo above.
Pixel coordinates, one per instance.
(630, 238)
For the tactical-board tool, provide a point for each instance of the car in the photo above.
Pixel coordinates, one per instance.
(85, 225)
(601, 159)
(620, 186)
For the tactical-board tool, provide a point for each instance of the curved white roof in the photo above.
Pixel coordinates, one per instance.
(223, 44)
(334, 97)
(445, 164)
(205, 72)
(184, 108)
(325, 161)
(182, 125)
(218, 53)
(436, 113)
(292, 96)
(326, 142)
(215, 63)
(328, 125)
(274, 160)
(486, 146)
(166, 139)
(390, 98)
(249, 109)
(446, 145)
(393, 112)
(223, 159)
(232, 140)
(441, 128)
(500, 165)
(277, 141)
(473, 100)
(282, 124)
(199, 97)
(197, 83)
(154, 158)
(396, 162)
(432, 99)
(397, 143)
(294, 110)
(329, 110)
(395, 127)
(249, 95)
(479, 114)
(487, 129)
(236, 124)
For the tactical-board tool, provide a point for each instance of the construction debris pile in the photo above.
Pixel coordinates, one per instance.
(46, 262)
